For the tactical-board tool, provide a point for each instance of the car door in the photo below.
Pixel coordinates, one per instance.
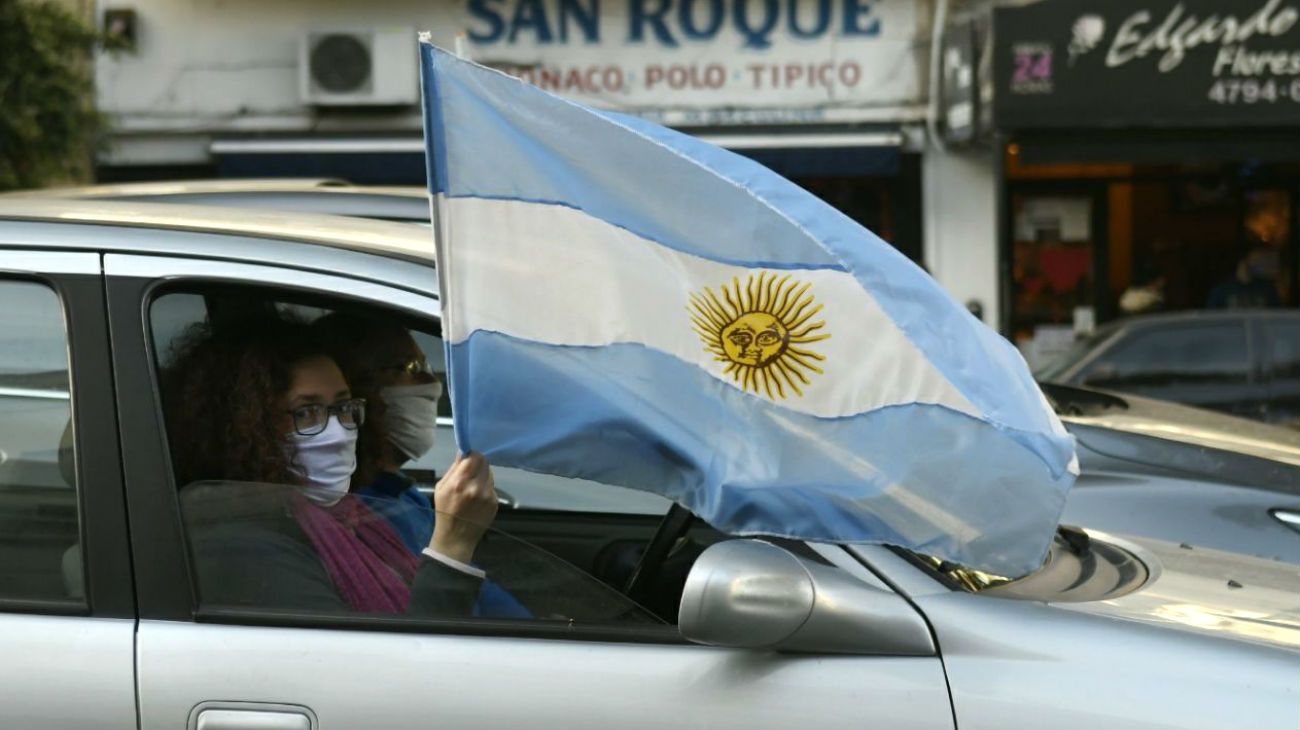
(67, 618)
(252, 667)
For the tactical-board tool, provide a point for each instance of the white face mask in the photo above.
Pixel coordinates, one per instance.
(324, 462)
(411, 418)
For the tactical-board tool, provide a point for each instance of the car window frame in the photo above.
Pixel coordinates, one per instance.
(165, 589)
(1263, 331)
(76, 279)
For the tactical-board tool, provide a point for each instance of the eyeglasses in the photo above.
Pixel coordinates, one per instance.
(412, 367)
(312, 419)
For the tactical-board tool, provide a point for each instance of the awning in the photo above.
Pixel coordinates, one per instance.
(400, 160)
(829, 154)
(1156, 146)
(372, 161)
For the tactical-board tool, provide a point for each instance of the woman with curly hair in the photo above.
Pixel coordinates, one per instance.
(264, 434)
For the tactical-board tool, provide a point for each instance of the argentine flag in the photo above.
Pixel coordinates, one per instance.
(630, 305)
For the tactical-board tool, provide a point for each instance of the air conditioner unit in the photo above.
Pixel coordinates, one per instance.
(375, 67)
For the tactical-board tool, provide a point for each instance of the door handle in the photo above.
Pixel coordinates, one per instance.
(252, 720)
(250, 716)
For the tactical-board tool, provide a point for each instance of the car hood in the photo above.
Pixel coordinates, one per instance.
(1209, 592)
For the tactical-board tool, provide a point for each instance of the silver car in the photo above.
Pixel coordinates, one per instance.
(103, 623)
(405, 203)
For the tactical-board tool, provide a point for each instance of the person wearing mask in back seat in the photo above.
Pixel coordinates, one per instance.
(386, 366)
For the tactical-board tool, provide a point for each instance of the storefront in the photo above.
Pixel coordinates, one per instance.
(826, 92)
(1146, 158)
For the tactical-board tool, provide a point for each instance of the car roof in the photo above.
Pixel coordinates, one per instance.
(324, 186)
(1196, 316)
(385, 238)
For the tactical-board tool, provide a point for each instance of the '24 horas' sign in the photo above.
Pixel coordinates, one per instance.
(1148, 62)
(708, 59)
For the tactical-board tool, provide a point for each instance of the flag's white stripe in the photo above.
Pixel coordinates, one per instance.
(594, 284)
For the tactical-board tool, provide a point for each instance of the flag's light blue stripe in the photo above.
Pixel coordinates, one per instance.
(507, 139)
(515, 141)
(921, 476)
(750, 263)
(435, 158)
(1055, 453)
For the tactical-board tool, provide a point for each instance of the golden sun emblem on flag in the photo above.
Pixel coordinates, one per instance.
(760, 329)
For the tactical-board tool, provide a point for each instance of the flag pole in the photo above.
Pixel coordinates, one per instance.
(440, 224)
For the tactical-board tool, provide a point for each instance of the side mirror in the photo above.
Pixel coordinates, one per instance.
(752, 594)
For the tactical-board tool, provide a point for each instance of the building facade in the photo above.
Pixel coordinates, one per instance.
(831, 93)
(1142, 155)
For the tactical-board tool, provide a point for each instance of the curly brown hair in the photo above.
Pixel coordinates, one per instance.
(222, 397)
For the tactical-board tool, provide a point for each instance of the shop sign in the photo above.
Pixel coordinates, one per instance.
(957, 88)
(984, 79)
(966, 80)
(747, 61)
(1180, 63)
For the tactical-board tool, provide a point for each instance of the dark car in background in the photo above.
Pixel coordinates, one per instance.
(1242, 362)
(1187, 475)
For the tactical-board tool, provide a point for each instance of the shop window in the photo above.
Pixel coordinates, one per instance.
(1053, 278)
(1205, 243)
(1158, 238)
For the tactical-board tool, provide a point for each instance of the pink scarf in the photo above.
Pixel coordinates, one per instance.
(371, 568)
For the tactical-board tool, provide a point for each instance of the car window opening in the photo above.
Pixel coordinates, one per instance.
(40, 548)
(305, 432)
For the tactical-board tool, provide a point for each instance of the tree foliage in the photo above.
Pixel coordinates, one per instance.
(48, 122)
